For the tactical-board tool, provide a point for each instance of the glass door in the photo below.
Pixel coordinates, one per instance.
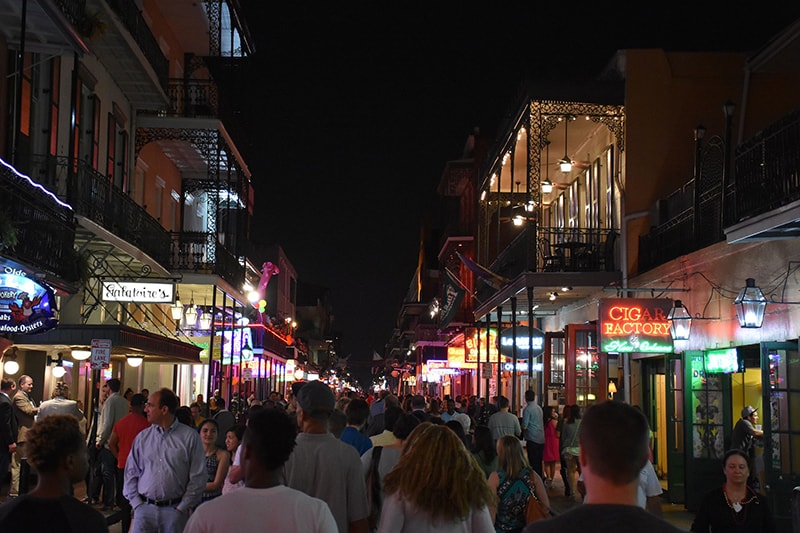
(780, 418)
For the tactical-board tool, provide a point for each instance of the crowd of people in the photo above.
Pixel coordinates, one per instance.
(346, 462)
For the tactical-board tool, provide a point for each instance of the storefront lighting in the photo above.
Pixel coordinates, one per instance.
(680, 322)
(58, 370)
(750, 305)
(298, 374)
(81, 355)
(134, 360)
(177, 308)
(205, 321)
(10, 366)
(191, 314)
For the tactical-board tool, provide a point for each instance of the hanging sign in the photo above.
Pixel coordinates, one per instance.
(635, 325)
(129, 291)
(101, 354)
(25, 306)
(526, 337)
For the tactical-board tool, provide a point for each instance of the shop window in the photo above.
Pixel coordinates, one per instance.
(784, 399)
(587, 368)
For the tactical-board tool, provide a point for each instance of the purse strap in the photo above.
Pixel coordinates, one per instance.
(376, 478)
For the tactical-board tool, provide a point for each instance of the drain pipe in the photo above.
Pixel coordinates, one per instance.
(626, 358)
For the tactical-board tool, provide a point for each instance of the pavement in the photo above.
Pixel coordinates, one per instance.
(675, 514)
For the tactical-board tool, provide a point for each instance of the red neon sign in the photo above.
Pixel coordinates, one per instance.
(635, 325)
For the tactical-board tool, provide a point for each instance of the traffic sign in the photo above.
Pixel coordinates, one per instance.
(101, 354)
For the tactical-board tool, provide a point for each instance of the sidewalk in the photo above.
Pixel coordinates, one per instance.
(675, 514)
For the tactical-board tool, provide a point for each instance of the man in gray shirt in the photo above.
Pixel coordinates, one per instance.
(502, 422)
(114, 409)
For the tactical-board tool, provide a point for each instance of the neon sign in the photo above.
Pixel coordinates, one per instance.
(25, 306)
(635, 325)
(526, 337)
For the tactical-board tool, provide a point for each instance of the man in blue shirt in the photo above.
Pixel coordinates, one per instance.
(533, 428)
(165, 471)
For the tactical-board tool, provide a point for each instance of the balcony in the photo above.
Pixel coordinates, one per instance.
(201, 253)
(126, 46)
(94, 197)
(45, 228)
(763, 202)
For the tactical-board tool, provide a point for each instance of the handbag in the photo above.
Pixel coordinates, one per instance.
(535, 510)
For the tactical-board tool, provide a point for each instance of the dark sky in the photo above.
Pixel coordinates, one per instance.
(357, 107)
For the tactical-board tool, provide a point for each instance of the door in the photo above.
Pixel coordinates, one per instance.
(780, 419)
(675, 429)
(707, 408)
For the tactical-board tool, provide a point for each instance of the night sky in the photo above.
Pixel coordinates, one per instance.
(355, 108)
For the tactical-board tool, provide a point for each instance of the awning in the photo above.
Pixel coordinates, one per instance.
(124, 341)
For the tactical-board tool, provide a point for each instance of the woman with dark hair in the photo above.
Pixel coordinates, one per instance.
(56, 450)
(184, 416)
(233, 440)
(436, 486)
(217, 460)
(569, 442)
(734, 506)
(456, 426)
(484, 449)
(552, 452)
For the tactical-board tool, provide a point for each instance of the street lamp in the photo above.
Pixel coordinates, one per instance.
(750, 305)
(680, 322)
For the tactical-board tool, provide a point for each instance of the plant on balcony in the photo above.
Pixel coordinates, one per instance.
(81, 268)
(9, 234)
(92, 24)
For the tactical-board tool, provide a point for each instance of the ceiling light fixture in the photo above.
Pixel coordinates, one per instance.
(58, 370)
(80, 354)
(191, 313)
(547, 185)
(566, 163)
(134, 360)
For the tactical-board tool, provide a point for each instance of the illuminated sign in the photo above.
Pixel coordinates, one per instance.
(25, 306)
(725, 361)
(522, 366)
(526, 337)
(635, 325)
(123, 291)
(465, 354)
(232, 343)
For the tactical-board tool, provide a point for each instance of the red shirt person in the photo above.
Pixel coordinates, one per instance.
(120, 443)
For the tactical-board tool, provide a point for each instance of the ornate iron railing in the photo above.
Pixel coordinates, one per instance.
(767, 176)
(546, 249)
(193, 98)
(767, 169)
(197, 251)
(134, 22)
(45, 230)
(93, 196)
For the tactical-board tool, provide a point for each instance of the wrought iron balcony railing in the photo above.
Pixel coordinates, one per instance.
(200, 252)
(93, 196)
(546, 249)
(767, 176)
(134, 22)
(193, 98)
(44, 229)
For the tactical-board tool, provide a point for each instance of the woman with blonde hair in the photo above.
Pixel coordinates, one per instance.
(437, 486)
(515, 483)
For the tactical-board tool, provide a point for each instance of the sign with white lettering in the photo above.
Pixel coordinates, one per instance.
(25, 306)
(130, 291)
(526, 337)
